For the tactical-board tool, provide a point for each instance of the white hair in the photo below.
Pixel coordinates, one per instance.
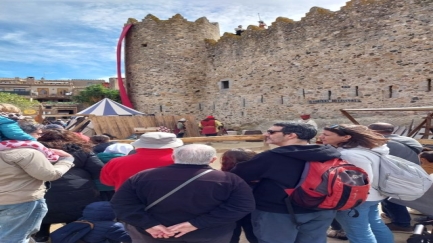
(194, 154)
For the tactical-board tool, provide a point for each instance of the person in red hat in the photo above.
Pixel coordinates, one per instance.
(305, 118)
(210, 126)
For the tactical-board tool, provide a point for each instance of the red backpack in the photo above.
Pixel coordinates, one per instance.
(332, 185)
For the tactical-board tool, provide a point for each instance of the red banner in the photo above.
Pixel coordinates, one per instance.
(123, 95)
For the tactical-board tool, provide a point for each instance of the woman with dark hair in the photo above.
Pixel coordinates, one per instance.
(68, 195)
(359, 146)
(228, 160)
(100, 143)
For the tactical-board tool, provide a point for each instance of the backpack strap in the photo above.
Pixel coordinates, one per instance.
(292, 212)
(177, 189)
(289, 207)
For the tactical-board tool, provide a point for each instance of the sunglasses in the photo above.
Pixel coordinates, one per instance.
(338, 127)
(272, 131)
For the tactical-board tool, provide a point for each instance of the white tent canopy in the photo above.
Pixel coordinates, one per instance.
(107, 107)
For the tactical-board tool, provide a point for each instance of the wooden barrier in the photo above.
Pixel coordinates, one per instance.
(425, 141)
(123, 126)
(216, 139)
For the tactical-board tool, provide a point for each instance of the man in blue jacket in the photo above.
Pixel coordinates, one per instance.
(203, 211)
(281, 168)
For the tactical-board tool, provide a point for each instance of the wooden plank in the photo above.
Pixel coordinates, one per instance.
(425, 141)
(416, 129)
(123, 126)
(96, 125)
(400, 130)
(425, 108)
(210, 139)
(79, 125)
(346, 114)
(427, 128)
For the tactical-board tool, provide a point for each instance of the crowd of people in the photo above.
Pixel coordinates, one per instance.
(157, 189)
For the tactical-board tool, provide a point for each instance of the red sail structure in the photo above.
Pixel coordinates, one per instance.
(123, 95)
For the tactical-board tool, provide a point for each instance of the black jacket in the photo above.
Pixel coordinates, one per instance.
(280, 168)
(68, 195)
(99, 148)
(212, 203)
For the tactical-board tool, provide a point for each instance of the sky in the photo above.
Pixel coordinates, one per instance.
(77, 39)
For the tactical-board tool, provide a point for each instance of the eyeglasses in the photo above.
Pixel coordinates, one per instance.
(272, 131)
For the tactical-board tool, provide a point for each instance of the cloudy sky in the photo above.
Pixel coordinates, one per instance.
(76, 39)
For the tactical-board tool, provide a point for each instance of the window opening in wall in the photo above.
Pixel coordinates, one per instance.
(242, 113)
(303, 93)
(329, 94)
(261, 99)
(282, 100)
(429, 85)
(160, 108)
(144, 45)
(214, 106)
(390, 91)
(225, 84)
(243, 102)
(356, 91)
(199, 106)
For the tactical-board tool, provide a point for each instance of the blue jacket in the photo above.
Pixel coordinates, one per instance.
(9, 130)
(105, 228)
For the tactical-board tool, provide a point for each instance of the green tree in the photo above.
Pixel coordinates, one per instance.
(17, 100)
(95, 93)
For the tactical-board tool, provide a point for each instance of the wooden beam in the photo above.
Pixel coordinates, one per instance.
(426, 108)
(416, 129)
(346, 114)
(211, 139)
(425, 141)
(222, 138)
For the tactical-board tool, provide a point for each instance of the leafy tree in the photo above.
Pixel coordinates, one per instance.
(17, 100)
(95, 93)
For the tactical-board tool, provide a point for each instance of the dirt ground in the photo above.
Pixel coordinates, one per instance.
(258, 147)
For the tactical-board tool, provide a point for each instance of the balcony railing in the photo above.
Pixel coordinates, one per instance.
(17, 92)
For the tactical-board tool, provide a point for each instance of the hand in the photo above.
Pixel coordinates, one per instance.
(181, 229)
(61, 153)
(159, 231)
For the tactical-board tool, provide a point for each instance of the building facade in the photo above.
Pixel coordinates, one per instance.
(54, 95)
(370, 53)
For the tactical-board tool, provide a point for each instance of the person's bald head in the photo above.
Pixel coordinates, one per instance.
(382, 127)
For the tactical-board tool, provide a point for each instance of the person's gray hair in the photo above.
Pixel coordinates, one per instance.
(194, 154)
(29, 127)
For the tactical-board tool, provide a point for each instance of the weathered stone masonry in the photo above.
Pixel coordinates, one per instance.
(371, 53)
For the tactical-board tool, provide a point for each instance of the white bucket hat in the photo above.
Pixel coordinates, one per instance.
(157, 140)
(122, 148)
(182, 119)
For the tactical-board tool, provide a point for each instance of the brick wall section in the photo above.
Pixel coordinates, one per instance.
(371, 53)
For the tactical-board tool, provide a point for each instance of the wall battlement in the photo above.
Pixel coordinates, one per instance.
(370, 53)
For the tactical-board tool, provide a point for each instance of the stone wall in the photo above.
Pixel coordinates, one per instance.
(371, 53)
(166, 64)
